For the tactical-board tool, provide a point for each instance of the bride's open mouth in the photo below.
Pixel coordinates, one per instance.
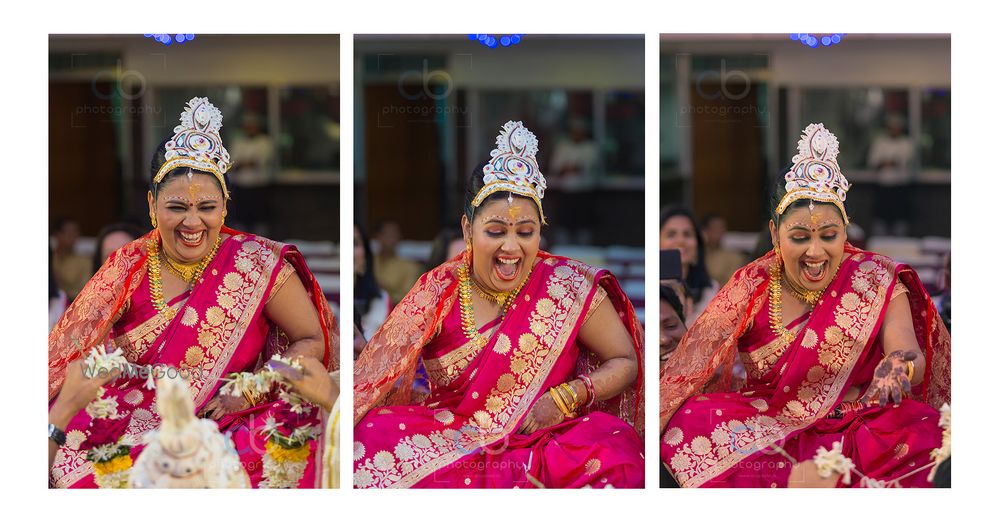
(814, 272)
(191, 239)
(506, 267)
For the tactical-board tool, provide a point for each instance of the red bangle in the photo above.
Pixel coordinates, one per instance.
(589, 385)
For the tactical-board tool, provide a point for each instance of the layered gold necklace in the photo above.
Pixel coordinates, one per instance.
(465, 285)
(774, 300)
(188, 273)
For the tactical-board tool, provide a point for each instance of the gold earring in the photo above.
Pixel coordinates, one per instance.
(152, 219)
(777, 255)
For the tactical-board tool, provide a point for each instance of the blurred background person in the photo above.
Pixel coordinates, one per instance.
(720, 261)
(371, 304)
(395, 274)
(253, 156)
(111, 238)
(72, 269)
(943, 300)
(679, 229)
(672, 326)
(575, 157)
(893, 158)
(57, 298)
(446, 245)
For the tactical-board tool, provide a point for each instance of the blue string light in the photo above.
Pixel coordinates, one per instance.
(500, 40)
(167, 39)
(814, 41)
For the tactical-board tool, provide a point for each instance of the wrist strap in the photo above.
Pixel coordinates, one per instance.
(57, 435)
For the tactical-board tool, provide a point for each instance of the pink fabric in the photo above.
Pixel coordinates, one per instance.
(415, 445)
(884, 443)
(253, 344)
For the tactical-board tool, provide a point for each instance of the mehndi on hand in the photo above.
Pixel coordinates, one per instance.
(891, 379)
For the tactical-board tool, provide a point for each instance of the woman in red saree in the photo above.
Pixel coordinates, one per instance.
(195, 299)
(535, 375)
(840, 346)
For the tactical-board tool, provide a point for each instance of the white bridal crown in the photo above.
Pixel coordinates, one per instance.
(197, 144)
(512, 166)
(815, 174)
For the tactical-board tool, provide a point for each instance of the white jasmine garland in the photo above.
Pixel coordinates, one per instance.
(833, 461)
(106, 408)
(105, 452)
(116, 480)
(100, 360)
(282, 475)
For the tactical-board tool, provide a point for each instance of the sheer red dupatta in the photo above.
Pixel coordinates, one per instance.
(88, 320)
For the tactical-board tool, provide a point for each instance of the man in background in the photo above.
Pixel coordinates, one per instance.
(721, 263)
(71, 269)
(394, 274)
(892, 157)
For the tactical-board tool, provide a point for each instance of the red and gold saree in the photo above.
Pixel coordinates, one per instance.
(218, 327)
(465, 433)
(720, 437)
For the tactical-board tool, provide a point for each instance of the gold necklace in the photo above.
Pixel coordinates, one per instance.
(807, 296)
(156, 280)
(774, 313)
(156, 277)
(185, 271)
(465, 285)
(494, 297)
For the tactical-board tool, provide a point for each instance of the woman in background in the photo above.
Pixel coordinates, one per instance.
(679, 230)
(371, 304)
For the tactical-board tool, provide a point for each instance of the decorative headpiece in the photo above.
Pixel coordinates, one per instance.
(196, 143)
(815, 174)
(512, 167)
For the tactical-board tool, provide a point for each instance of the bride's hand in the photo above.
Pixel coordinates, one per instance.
(224, 404)
(890, 380)
(543, 414)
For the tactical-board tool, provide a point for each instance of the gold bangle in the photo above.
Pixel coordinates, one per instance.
(576, 398)
(909, 370)
(559, 401)
(571, 405)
